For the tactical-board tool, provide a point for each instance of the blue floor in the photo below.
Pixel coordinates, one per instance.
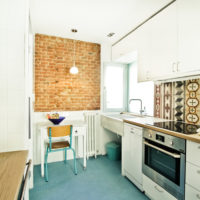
(101, 180)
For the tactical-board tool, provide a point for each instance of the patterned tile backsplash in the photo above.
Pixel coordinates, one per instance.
(178, 100)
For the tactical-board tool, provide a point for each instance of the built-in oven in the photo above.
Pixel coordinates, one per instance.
(164, 161)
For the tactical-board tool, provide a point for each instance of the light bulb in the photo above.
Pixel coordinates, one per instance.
(73, 70)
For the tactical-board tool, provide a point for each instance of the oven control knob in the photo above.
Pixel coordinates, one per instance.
(171, 143)
(150, 135)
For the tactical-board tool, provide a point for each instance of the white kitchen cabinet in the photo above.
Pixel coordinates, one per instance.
(13, 69)
(154, 191)
(193, 175)
(191, 193)
(125, 46)
(168, 45)
(132, 154)
(188, 35)
(144, 56)
(14, 25)
(193, 152)
(157, 46)
(192, 171)
(163, 47)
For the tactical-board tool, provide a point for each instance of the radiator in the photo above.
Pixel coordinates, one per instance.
(91, 120)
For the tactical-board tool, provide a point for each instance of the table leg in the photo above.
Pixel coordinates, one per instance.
(42, 150)
(84, 151)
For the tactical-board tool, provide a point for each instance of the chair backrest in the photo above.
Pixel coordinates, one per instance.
(60, 131)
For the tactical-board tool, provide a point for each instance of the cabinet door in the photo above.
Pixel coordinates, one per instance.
(193, 175)
(163, 43)
(133, 152)
(193, 152)
(189, 35)
(191, 193)
(144, 54)
(124, 47)
(136, 148)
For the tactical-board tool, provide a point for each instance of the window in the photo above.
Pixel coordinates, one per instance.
(120, 85)
(115, 92)
(143, 91)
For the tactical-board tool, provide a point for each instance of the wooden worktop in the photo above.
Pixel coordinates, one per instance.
(145, 123)
(12, 166)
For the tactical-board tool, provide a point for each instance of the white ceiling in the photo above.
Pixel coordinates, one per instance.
(94, 19)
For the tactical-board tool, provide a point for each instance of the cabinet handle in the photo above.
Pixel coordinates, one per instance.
(76, 131)
(173, 67)
(198, 196)
(198, 147)
(198, 171)
(157, 189)
(132, 132)
(177, 66)
(147, 75)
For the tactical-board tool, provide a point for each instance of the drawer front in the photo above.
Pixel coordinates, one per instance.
(193, 175)
(191, 193)
(193, 152)
(132, 129)
(154, 191)
(78, 130)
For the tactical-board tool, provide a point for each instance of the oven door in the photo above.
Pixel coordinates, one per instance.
(164, 166)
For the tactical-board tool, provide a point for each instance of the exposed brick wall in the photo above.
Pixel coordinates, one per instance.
(57, 89)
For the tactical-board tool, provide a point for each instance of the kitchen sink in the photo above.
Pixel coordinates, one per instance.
(114, 121)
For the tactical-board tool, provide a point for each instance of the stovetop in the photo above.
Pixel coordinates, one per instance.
(178, 126)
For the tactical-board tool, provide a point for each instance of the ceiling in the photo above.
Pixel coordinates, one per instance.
(94, 19)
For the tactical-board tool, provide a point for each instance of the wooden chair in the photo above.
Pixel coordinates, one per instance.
(63, 145)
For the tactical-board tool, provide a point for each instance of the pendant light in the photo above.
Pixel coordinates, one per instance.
(74, 69)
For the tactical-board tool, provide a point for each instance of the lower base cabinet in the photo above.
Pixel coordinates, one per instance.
(191, 193)
(132, 154)
(192, 187)
(154, 191)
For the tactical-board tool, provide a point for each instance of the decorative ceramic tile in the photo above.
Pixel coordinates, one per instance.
(192, 102)
(157, 101)
(167, 101)
(178, 101)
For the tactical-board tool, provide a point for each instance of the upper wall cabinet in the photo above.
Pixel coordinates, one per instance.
(189, 35)
(125, 46)
(163, 43)
(168, 45)
(143, 52)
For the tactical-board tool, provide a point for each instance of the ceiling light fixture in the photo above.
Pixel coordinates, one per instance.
(110, 34)
(74, 69)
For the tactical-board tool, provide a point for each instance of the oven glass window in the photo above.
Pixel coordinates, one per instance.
(162, 163)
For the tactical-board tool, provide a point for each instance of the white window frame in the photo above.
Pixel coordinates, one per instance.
(125, 87)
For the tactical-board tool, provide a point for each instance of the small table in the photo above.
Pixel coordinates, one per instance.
(79, 129)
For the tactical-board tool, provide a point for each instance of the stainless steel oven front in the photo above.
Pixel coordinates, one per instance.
(164, 161)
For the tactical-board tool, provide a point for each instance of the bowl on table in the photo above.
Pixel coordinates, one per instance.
(57, 121)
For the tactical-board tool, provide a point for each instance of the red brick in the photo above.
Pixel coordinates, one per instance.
(55, 87)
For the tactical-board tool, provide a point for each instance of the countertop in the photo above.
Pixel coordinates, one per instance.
(145, 121)
(12, 166)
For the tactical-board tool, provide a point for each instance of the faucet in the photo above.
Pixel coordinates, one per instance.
(140, 100)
